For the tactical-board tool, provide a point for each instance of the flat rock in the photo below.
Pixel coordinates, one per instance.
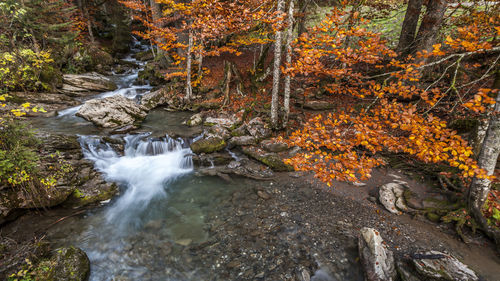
(67, 264)
(434, 264)
(88, 82)
(112, 112)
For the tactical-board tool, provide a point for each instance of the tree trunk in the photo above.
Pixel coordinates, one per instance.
(487, 160)
(431, 24)
(227, 81)
(409, 27)
(189, 88)
(483, 123)
(289, 41)
(276, 71)
(302, 20)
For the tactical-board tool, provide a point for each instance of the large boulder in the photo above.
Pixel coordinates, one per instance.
(67, 264)
(208, 145)
(74, 84)
(377, 259)
(112, 112)
(391, 195)
(434, 264)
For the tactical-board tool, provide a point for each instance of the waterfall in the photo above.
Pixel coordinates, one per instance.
(145, 170)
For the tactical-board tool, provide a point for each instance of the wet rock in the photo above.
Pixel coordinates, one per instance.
(272, 160)
(208, 145)
(218, 131)
(258, 128)
(274, 146)
(391, 195)
(434, 264)
(92, 191)
(377, 259)
(67, 264)
(243, 140)
(155, 99)
(318, 105)
(212, 159)
(112, 112)
(195, 120)
(75, 84)
(124, 129)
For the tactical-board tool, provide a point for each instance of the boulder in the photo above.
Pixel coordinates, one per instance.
(195, 120)
(243, 140)
(112, 112)
(376, 258)
(434, 264)
(258, 128)
(67, 264)
(391, 195)
(272, 160)
(208, 145)
(155, 99)
(89, 82)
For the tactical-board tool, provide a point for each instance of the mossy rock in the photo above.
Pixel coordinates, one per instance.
(80, 197)
(433, 217)
(272, 160)
(208, 145)
(67, 264)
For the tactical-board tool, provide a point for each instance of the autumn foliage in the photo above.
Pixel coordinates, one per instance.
(394, 114)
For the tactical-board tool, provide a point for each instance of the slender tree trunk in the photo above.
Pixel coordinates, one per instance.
(302, 20)
(487, 160)
(227, 87)
(409, 27)
(431, 24)
(483, 123)
(276, 72)
(286, 102)
(189, 88)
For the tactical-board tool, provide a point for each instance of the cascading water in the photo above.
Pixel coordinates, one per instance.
(146, 168)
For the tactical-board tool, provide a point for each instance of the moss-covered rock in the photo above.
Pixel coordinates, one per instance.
(208, 145)
(67, 264)
(272, 160)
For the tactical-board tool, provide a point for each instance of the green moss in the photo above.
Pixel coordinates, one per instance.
(208, 145)
(433, 217)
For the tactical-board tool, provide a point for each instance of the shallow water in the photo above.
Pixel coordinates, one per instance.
(162, 207)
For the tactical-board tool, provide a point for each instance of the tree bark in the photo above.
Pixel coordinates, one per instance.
(487, 160)
(302, 20)
(189, 88)
(431, 24)
(276, 71)
(286, 103)
(409, 27)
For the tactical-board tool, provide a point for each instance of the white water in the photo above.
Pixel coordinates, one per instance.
(146, 168)
(125, 83)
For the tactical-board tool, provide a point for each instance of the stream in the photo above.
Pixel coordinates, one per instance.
(162, 206)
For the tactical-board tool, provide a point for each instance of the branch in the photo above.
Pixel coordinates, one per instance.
(492, 50)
